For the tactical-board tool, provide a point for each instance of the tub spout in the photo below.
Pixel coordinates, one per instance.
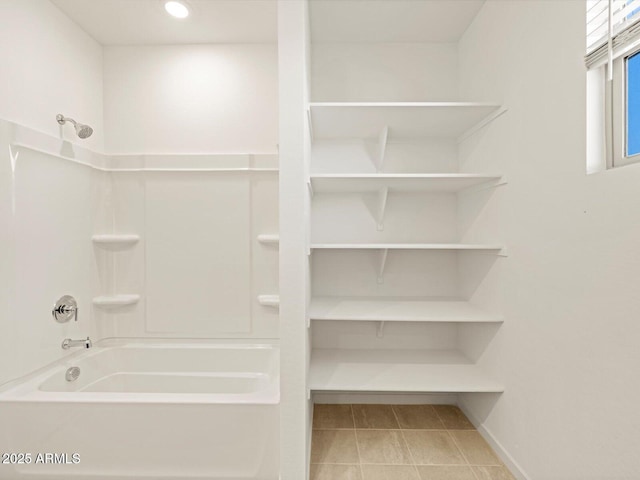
(67, 343)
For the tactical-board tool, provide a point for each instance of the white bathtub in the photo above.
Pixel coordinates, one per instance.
(147, 410)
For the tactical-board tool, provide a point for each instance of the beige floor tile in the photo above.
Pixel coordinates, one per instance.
(453, 418)
(382, 446)
(374, 416)
(334, 472)
(445, 473)
(332, 416)
(334, 446)
(492, 473)
(475, 448)
(417, 416)
(430, 447)
(389, 472)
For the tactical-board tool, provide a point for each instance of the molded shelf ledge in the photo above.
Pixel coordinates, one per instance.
(399, 309)
(403, 246)
(113, 301)
(410, 182)
(269, 238)
(115, 240)
(408, 371)
(403, 119)
(269, 300)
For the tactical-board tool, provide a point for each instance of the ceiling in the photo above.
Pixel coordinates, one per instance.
(391, 20)
(144, 22)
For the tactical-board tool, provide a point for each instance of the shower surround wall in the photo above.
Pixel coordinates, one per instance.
(48, 206)
(199, 266)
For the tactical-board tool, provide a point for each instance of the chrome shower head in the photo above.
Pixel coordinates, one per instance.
(83, 131)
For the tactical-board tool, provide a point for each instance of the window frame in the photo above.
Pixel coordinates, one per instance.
(617, 114)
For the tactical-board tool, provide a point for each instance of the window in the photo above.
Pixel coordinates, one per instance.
(613, 83)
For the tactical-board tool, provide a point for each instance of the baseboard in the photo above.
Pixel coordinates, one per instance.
(387, 398)
(309, 437)
(508, 460)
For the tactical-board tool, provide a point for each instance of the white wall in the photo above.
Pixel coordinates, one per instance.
(48, 65)
(191, 99)
(379, 72)
(294, 139)
(568, 351)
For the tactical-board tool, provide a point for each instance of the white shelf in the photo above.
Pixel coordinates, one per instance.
(113, 239)
(439, 371)
(269, 300)
(402, 246)
(427, 182)
(403, 119)
(398, 309)
(112, 301)
(269, 239)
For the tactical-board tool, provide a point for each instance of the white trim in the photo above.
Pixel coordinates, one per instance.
(23, 137)
(386, 398)
(506, 458)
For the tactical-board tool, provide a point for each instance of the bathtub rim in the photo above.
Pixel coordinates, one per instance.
(18, 391)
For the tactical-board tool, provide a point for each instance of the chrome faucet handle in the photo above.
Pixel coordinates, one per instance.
(65, 308)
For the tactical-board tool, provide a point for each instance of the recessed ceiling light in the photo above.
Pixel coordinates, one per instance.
(176, 9)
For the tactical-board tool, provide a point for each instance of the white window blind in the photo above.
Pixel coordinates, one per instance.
(613, 28)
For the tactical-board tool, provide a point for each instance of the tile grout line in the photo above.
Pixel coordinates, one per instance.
(456, 443)
(463, 455)
(404, 439)
(355, 433)
(444, 426)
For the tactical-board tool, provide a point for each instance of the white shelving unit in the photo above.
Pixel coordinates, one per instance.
(399, 309)
(115, 301)
(410, 371)
(402, 119)
(399, 182)
(358, 368)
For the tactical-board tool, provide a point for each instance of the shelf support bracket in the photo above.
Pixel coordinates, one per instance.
(380, 330)
(383, 193)
(309, 117)
(382, 148)
(486, 186)
(310, 187)
(382, 261)
(480, 125)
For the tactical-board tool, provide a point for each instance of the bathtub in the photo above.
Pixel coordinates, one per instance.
(146, 410)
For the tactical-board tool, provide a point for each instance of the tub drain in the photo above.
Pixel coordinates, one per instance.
(72, 374)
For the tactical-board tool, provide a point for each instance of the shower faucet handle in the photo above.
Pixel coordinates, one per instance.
(65, 308)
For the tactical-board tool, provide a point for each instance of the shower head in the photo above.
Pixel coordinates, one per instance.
(83, 131)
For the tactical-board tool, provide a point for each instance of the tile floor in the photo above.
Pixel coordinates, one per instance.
(399, 442)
